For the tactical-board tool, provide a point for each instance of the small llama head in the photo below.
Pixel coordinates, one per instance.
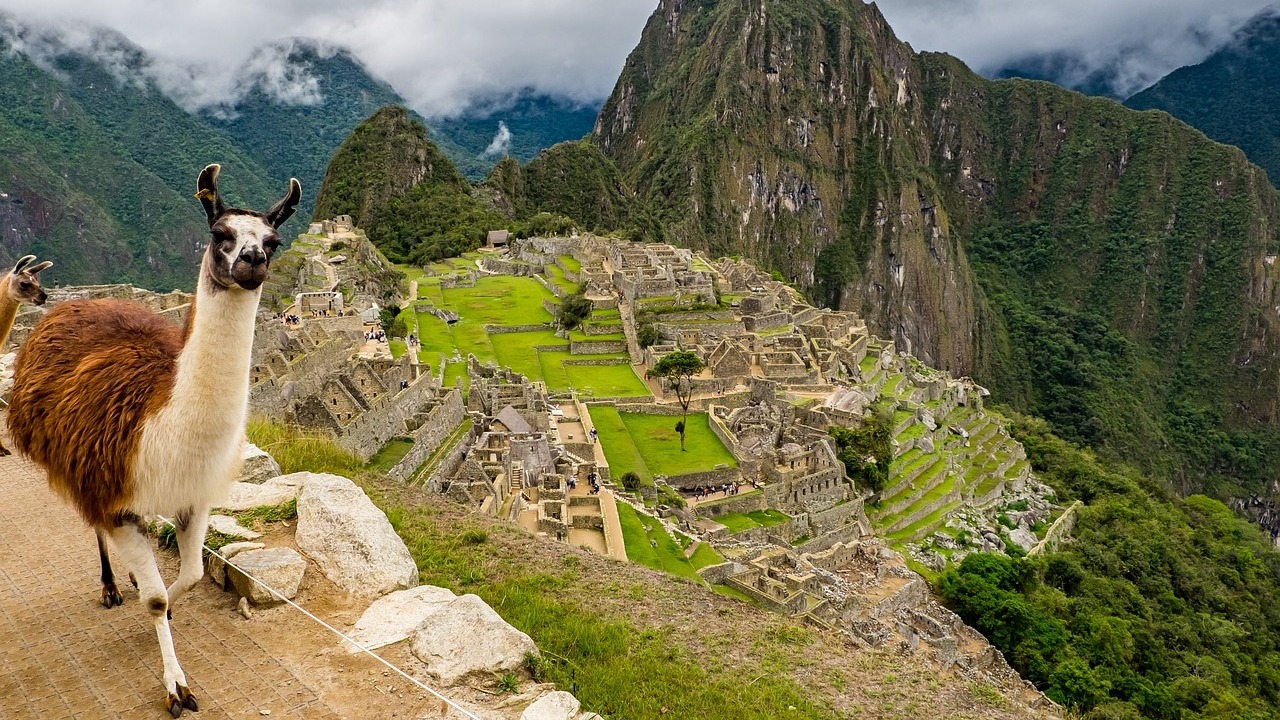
(24, 281)
(239, 253)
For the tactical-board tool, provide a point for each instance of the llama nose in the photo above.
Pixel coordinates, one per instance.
(253, 256)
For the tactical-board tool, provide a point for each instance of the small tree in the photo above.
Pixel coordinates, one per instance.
(678, 369)
(630, 481)
(573, 310)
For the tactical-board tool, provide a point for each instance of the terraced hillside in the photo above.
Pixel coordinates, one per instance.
(955, 471)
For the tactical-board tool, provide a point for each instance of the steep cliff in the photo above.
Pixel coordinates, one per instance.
(1108, 269)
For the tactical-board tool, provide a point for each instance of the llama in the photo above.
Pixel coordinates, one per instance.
(131, 415)
(20, 285)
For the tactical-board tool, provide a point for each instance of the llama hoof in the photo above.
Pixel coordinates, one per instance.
(133, 580)
(180, 700)
(4, 451)
(111, 597)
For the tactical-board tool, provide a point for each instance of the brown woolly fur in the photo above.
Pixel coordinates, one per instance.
(116, 352)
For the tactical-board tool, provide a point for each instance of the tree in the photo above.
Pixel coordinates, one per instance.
(678, 369)
(573, 310)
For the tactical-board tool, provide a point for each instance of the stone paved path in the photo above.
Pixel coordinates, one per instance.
(62, 655)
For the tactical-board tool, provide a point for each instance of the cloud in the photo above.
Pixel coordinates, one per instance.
(1132, 43)
(501, 144)
(439, 55)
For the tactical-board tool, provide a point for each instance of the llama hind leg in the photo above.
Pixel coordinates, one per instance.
(134, 549)
(190, 527)
(111, 596)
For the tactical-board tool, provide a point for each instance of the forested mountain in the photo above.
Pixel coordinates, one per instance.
(533, 122)
(99, 162)
(1232, 96)
(97, 172)
(1107, 269)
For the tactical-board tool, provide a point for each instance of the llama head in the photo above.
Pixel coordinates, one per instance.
(239, 253)
(24, 281)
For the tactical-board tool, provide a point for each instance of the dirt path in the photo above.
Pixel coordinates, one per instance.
(62, 655)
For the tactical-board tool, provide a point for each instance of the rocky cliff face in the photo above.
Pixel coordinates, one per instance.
(969, 220)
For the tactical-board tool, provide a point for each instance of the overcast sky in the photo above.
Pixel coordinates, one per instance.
(441, 53)
(1143, 40)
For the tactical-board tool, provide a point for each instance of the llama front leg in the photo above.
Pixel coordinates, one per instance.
(190, 527)
(135, 550)
(110, 594)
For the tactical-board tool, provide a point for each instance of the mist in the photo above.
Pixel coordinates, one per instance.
(1131, 44)
(439, 56)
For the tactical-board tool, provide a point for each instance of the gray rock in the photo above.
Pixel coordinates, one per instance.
(218, 569)
(1023, 538)
(395, 617)
(276, 491)
(929, 422)
(351, 539)
(555, 705)
(228, 526)
(258, 465)
(281, 568)
(468, 638)
(925, 443)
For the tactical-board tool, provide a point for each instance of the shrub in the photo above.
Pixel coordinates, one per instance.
(630, 481)
(573, 310)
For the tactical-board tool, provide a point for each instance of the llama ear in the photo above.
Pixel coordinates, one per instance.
(207, 191)
(22, 262)
(283, 210)
(37, 269)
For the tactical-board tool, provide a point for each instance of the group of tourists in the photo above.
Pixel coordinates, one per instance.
(707, 491)
(377, 335)
(288, 319)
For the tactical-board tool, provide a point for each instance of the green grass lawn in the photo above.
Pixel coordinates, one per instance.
(737, 522)
(667, 556)
(390, 454)
(570, 264)
(556, 277)
(506, 301)
(648, 445)
(659, 443)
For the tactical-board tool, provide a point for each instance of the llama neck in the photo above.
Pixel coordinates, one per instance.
(8, 310)
(213, 368)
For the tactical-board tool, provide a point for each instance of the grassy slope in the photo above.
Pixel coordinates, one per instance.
(637, 644)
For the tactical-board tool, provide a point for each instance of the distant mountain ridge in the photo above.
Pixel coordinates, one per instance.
(99, 161)
(1232, 96)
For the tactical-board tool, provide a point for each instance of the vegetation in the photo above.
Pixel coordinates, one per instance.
(573, 310)
(737, 522)
(678, 369)
(643, 444)
(1231, 95)
(611, 664)
(866, 450)
(1161, 606)
(650, 545)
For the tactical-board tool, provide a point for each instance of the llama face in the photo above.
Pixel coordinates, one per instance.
(24, 282)
(242, 241)
(241, 248)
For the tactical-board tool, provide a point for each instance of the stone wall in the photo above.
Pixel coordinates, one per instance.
(743, 503)
(384, 419)
(436, 427)
(597, 347)
(452, 460)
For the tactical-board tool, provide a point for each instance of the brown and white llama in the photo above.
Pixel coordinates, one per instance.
(131, 415)
(20, 285)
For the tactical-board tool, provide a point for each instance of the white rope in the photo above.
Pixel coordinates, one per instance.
(334, 630)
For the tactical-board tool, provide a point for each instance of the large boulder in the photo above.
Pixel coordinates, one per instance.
(258, 466)
(467, 638)
(395, 617)
(351, 539)
(555, 705)
(280, 568)
(276, 491)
